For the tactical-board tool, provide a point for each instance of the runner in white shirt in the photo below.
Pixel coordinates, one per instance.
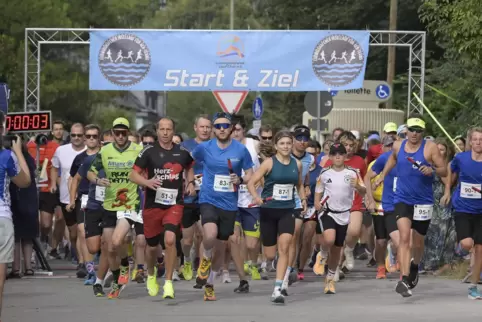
(336, 188)
(62, 160)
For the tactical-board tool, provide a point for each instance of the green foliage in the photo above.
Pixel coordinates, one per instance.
(105, 115)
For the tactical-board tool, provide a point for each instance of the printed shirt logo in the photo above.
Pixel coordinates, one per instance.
(124, 60)
(170, 171)
(338, 60)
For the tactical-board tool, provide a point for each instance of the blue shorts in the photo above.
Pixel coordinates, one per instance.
(248, 219)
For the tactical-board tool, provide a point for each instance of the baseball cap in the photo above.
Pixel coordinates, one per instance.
(387, 140)
(356, 134)
(337, 148)
(302, 131)
(402, 128)
(374, 137)
(416, 122)
(121, 122)
(390, 127)
(222, 115)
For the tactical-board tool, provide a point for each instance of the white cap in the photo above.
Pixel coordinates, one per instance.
(356, 134)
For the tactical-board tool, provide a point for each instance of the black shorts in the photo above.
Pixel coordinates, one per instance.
(297, 214)
(70, 217)
(403, 210)
(139, 228)
(367, 219)
(274, 222)
(224, 219)
(47, 202)
(109, 219)
(327, 222)
(93, 222)
(468, 226)
(191, 215)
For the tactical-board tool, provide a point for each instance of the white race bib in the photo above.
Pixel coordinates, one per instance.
(310, 212)
(283, 192)
(243, 189)
(99, 193)
(466, 190)
(128, 214)
(395, 184)
(83, 201)
(422, 212)
(198, 182)
(166, 196)
(223, 183)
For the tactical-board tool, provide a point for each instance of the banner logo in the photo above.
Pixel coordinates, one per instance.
(338, 60)
(124, 60)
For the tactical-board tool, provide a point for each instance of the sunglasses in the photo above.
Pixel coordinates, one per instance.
(147, 143)
(267, 137)
(302, 138)
(224, 126)
(415, 129)
(91, 136)
(74, 135)
(120, 132)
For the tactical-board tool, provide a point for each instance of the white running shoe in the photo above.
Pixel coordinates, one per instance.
(349, 258)
(175, 276)
(226, 277)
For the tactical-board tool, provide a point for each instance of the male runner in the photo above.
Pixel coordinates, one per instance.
(121, 199)
(159, 168)
(415, 160)
(58, 129)
(266, 133)
(79, 195)
(192, 214)
(223, 160)
(466, 170)
(62, 161)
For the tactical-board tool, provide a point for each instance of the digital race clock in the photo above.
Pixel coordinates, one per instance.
(40, 121)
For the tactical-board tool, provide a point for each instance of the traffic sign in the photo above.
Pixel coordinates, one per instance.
(333, 93)
(383, 91)
(256, 124)
(258, 108)
(4, 97)
(372, 91)
(230, 101)
(325, 103)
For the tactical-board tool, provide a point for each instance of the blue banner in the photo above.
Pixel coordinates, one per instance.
(201, 60)
(4, 98)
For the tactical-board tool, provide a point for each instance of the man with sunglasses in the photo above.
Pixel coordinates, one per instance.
(266, 133)
(121, 199)
(223, 160)
(79, 193)
(302, 137)
(192, 213)
(415, 161)
(62, 161)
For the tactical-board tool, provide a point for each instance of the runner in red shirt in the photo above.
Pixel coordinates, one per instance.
(356, 215)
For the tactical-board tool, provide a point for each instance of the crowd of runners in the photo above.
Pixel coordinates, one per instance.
(270, 201)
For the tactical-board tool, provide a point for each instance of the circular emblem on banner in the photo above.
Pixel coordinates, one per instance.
(124, 60)
(338, 60)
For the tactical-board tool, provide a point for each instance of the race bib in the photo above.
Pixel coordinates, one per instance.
(99, 193)
(243, 188)
(198, 182)
(283, 192)
(422, 212)
(83, 201)
(395, 184)
(467, 191)
(223, 183)
(128, 214)
(309, 212)
(166, 196)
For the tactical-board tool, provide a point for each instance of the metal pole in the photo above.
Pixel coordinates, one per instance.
(38, 76)
(391, 48)
(318, 123)
(25, 86)
(231, 15)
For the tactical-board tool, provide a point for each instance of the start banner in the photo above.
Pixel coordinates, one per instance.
(210, 60)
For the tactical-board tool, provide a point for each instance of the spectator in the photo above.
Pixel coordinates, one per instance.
(326, 150)
(266, 133)
(360, 151)
(335, 134)
(460, 142)
(402, 131)
(25, 221)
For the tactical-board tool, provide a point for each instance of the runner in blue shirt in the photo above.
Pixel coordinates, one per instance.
(466, 170)
(223, 159)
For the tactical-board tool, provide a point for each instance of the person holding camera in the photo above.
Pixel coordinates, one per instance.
(13, 167)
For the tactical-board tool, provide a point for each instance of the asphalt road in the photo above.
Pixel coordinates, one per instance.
(63, 298)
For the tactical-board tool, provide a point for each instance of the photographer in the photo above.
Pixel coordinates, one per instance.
(12, 167)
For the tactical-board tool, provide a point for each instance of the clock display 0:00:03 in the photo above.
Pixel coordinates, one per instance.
(25, 122)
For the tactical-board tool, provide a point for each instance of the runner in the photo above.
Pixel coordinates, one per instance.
(266, 133)
(466, 169)
(415, 160)
(79, 194)
(164, 163)
(223, 160)
(121, 199)
(336, 185)
(379, 202)
(192, 214)
(281, 173)
(62, 161)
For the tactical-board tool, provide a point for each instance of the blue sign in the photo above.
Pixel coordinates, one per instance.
(4, 97)
(382, 91)
(333, 93)
(210, 60)
(258, 108)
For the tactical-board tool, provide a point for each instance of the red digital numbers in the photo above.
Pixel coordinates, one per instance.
(36, 122)
(28, 122)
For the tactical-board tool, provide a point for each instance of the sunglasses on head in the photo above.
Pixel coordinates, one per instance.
(120, 132)
(222, 126)
(74, 135)
(415, 129)
(91, 136)
(267, 137)
(302, 138)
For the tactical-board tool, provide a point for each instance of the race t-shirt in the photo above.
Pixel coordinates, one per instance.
(466, 198)
(167, 166)
(62, 160)
(190, 145)
(122, 194)
(83, 188)
(389, 183)
(96, 193)
(46, 151)
(217, 188)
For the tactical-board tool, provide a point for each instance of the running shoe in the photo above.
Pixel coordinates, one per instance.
(203, 271)
(413, 276)
(81, 271)
(301, 276)
(133, 274)
(293, 277)
(152, 286)
(474, 293)
(381, 273)
(90, 280)
(226, 278)
(264, 274)
(115, 291)
(255, 276)
(168, 290)
(98, 290)
(349, 258)
(124, 275)
(277, 297)
(109, 278)
(329, 286)
(209, 293)
(246, 268)
(187, 271)
(403, 289)
(140, 277)
(320, 262)
(175, 276)
(243, 287)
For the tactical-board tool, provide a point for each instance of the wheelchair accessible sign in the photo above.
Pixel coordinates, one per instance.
(372, 91)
